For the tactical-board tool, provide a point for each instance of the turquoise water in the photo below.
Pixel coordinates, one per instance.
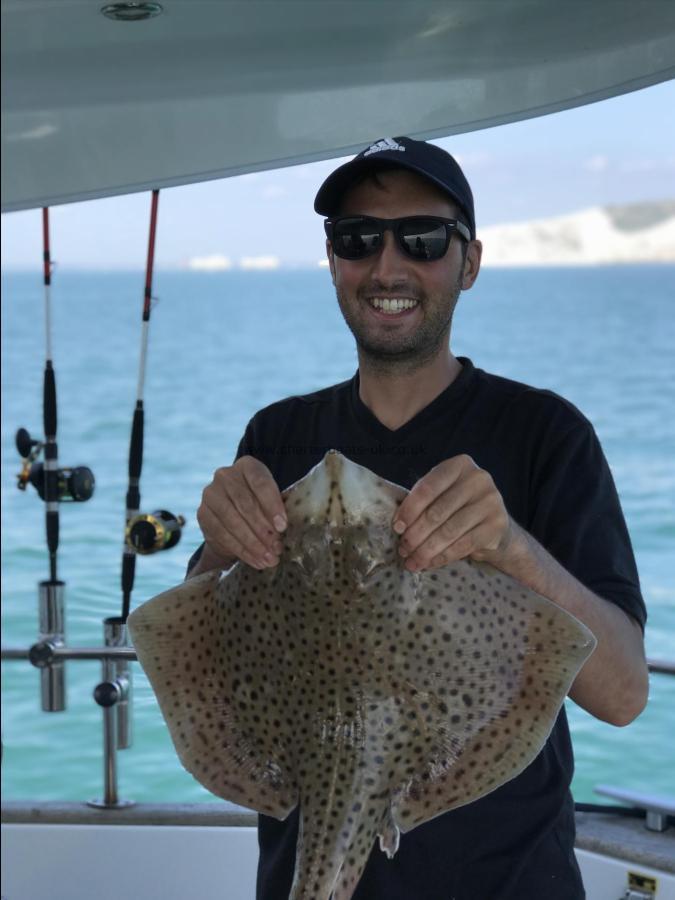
(221, 346)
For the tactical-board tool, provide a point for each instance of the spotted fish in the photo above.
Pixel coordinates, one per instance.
(373, 697)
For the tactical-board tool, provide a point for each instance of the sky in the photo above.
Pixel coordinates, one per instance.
(613, 152)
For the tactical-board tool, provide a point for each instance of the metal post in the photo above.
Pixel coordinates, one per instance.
(109, 742)
(115, 635)
(52, 629)
(112, 692)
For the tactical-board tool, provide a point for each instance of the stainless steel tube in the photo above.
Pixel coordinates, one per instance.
(44, 653)
(109, 743)
(52, 629)
(115, 635)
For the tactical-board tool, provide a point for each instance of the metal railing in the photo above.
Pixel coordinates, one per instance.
(113, 693)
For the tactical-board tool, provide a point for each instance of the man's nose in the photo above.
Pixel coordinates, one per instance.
(390, 259)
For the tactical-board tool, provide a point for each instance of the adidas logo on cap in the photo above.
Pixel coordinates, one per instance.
(384, 144)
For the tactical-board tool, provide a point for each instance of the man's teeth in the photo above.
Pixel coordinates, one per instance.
(393, 305)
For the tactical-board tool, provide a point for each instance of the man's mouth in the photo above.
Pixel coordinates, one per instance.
(392, 305)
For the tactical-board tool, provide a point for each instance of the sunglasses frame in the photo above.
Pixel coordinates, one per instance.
(394, 225)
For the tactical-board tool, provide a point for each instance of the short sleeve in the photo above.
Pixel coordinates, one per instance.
(576, 514)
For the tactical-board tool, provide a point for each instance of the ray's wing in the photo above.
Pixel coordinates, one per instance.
(200, 645)
(495, 663)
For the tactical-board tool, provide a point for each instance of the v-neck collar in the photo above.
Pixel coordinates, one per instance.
(445, 400)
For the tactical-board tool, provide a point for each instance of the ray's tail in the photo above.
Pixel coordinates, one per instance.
(333, 848)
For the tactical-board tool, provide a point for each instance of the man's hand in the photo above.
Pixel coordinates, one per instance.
(241, 516)
(454, 512)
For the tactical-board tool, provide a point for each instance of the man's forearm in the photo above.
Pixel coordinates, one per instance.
(613, 684)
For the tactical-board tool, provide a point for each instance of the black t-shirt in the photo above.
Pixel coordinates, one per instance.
(517, 842)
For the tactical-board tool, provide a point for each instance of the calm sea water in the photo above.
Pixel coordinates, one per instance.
(222, 346)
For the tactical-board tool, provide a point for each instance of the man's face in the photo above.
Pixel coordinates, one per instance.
(412, 336)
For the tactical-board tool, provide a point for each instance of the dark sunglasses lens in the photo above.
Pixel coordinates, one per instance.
(423, 238)
(356, 238)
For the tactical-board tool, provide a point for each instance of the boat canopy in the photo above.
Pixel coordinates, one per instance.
(93, 106)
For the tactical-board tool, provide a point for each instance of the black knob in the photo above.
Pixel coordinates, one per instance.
(143, 536)
(41, 655)
(107, 693)
(24, 443)
(80, 483)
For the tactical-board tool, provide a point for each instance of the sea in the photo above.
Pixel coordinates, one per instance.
(221, 346)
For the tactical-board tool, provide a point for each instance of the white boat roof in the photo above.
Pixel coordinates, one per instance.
(94, 107)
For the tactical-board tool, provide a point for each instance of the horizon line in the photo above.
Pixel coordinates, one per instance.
(309, 267)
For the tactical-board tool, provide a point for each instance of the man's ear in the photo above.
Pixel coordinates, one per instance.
(331, 260)
(472, 264)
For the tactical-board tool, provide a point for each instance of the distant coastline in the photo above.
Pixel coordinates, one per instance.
(611, 235)
(628, 234)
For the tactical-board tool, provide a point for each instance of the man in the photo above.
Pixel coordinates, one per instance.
(498, 471)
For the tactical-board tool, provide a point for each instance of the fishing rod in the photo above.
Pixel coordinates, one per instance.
(145, 533)
(53, 485)
(51, 464)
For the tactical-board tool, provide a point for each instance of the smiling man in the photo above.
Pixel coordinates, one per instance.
(498, 471)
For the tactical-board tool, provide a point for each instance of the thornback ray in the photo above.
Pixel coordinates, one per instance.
(373, 697)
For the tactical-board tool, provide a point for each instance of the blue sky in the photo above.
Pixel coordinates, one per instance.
(616, 151)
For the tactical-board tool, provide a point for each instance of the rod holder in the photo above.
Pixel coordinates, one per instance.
(112, 695)
(119, 672)
(52, 631)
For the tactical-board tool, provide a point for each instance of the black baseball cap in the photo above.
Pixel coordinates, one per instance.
(426, 159)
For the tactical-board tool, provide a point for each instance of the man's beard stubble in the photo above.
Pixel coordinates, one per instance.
(418, 348)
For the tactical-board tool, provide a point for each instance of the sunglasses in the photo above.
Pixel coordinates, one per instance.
(421, 238)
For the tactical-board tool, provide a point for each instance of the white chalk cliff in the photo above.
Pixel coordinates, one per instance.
(637, 232)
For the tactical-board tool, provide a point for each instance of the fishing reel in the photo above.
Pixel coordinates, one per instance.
(73, 484)
(148, 533)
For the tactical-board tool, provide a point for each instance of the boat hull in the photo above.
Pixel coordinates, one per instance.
(74, 852)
